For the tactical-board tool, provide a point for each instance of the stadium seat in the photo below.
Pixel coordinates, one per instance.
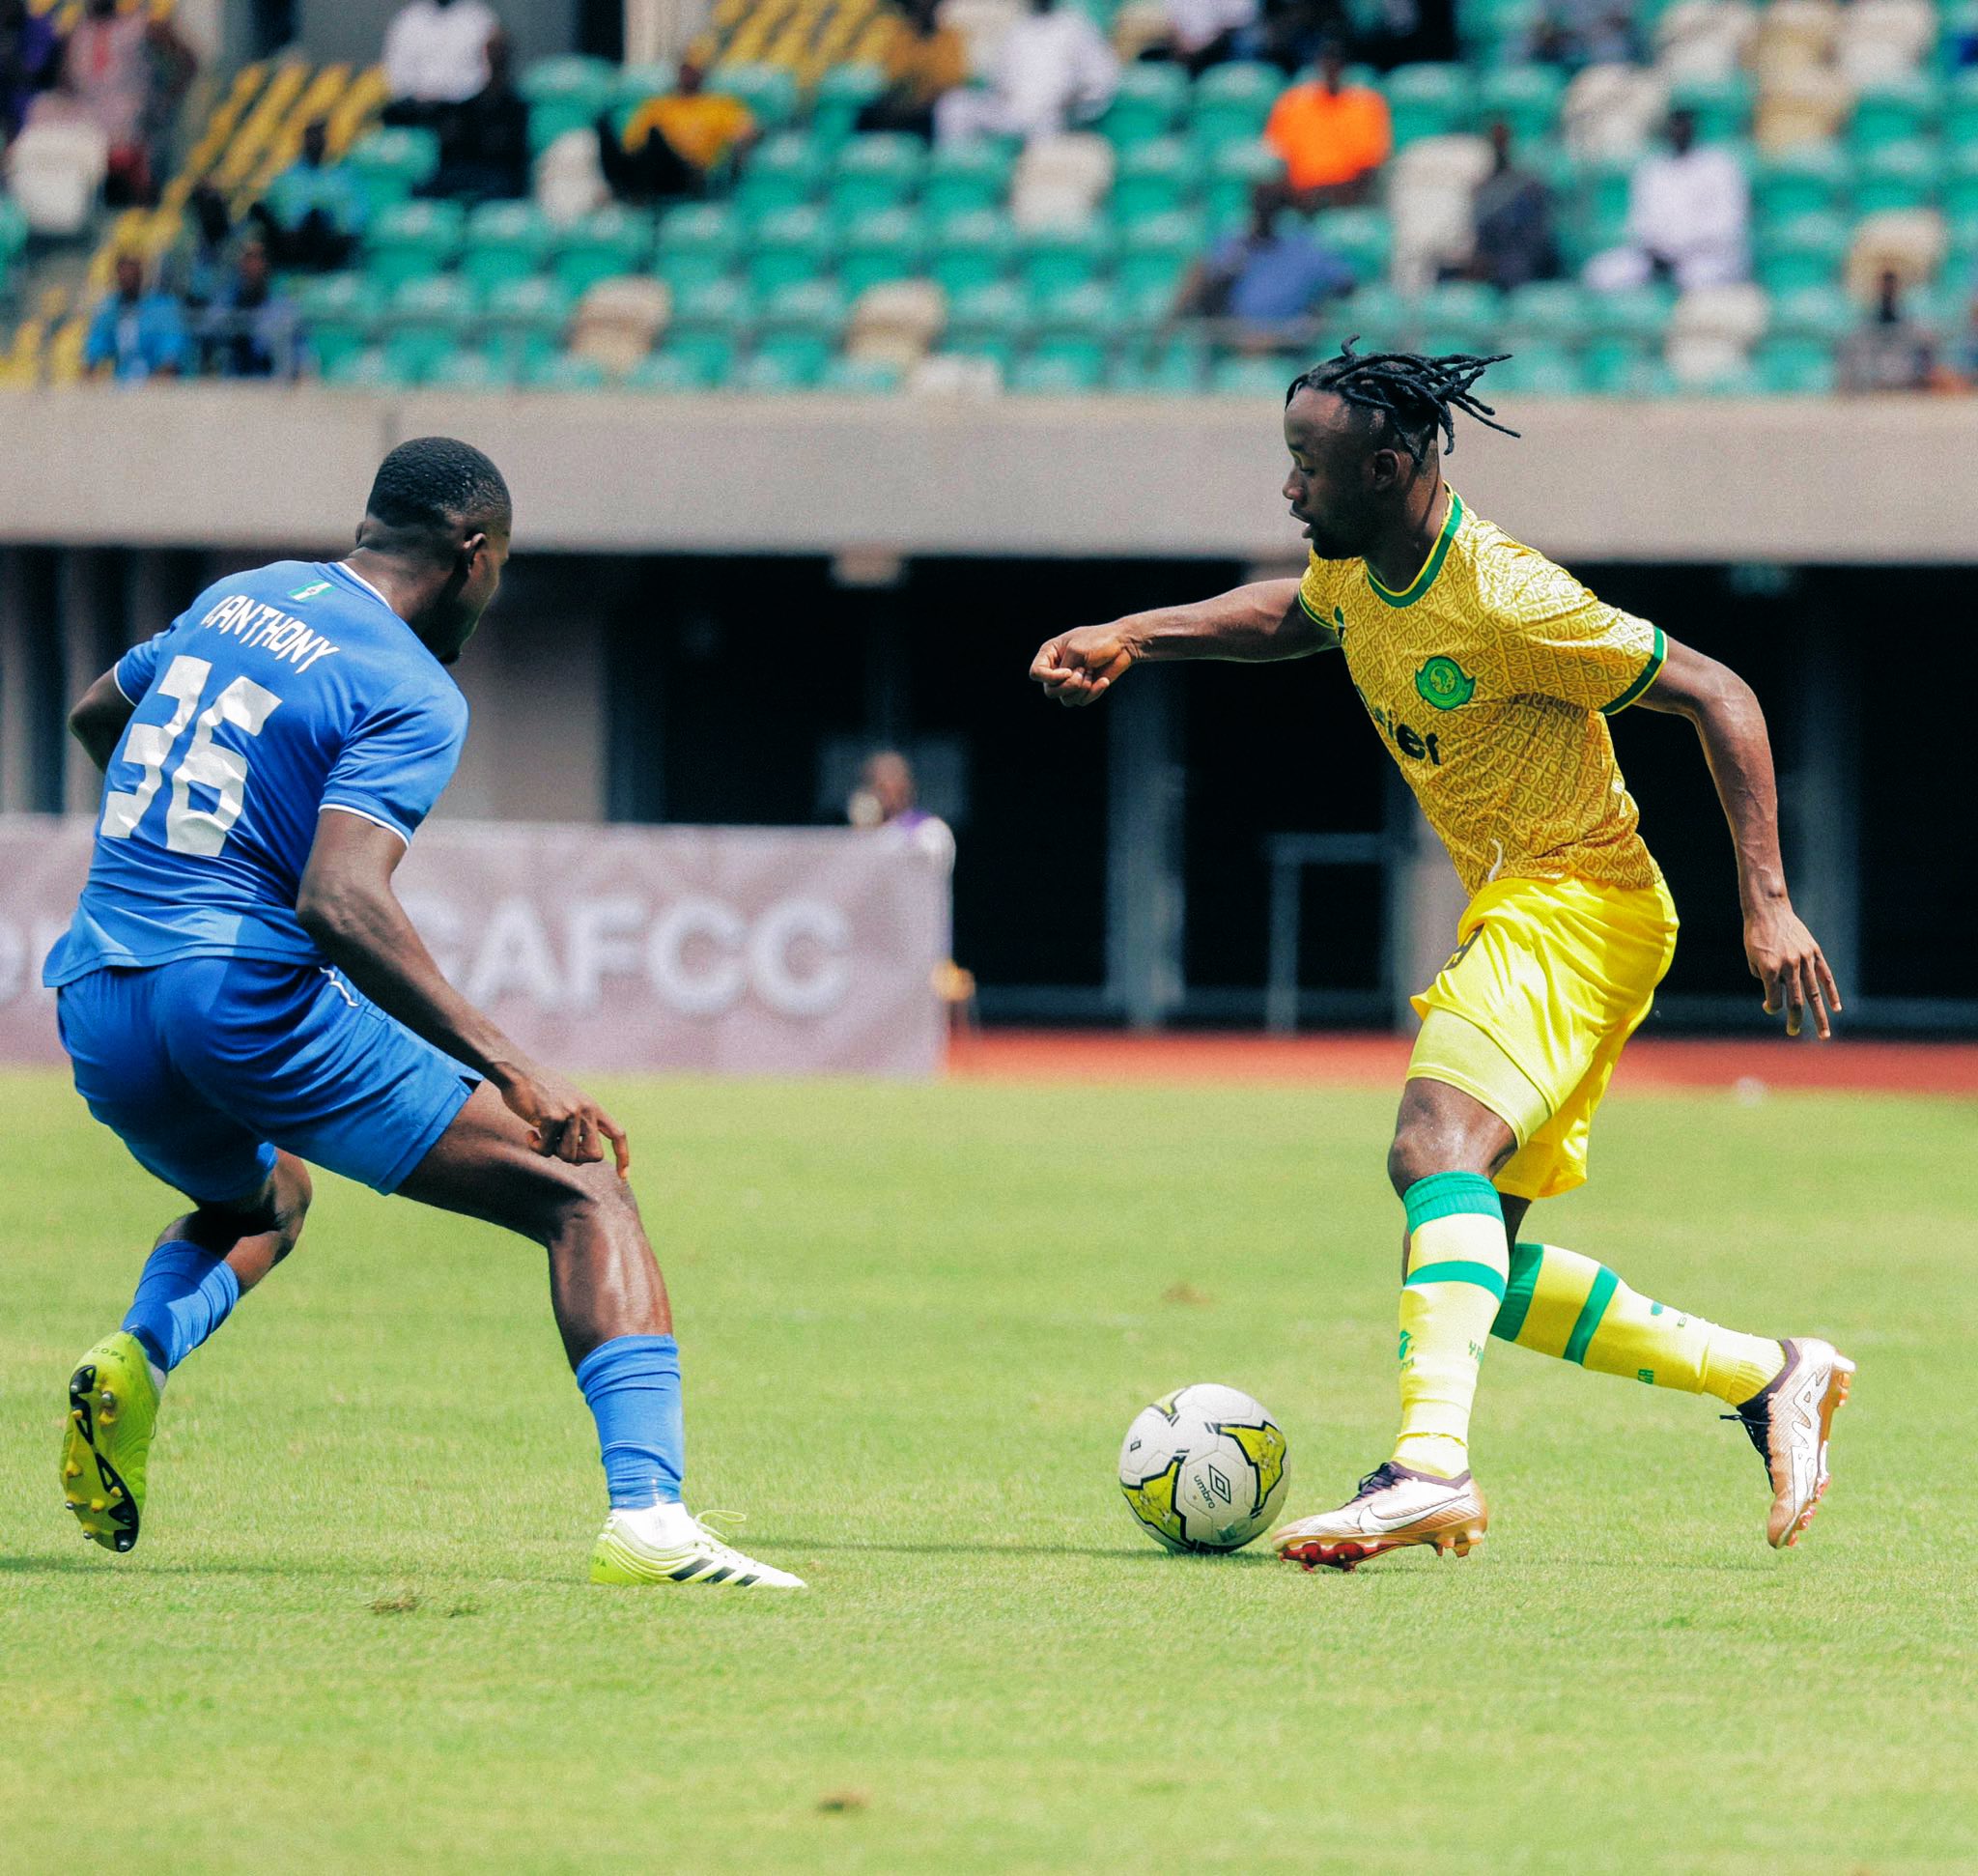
(366, 370)
(1525, 96)
(1895, 111)
(724, 308)
(1807, 252)
(1619, 367)
(1794, 367)
(473, 368)
(618, 322)
(1231, 102)
(884, 244)
(414, 238)
(989, 321)
(1062, 372)
(972, 249)
(566, 93)
(803, 322)
(1545, 313)
(1383, 317)
(1234, 172)
(1362, 237)
(390, 164)
(505, 240)
(340, 315)
(1960, 107)
(1051, 258)
(1092, 314)
(880, 171)
(708, 358)
(1173, 366)
(793, 244)
(1155, 253)
(1149, 104)
(612, 241)
(1251, 378)
(562, 371)
(1824, 313)
(1154, 177)
(780, 366)
(1431, 100)
(1635, 314)
(896, 322)
(1721, 104)
(525, 319)
(697, 244)
(55, 169)
(1538, 370)
(861, 378)
(428, 318)
(770, 90)
(1805, 179)
(785, 171)
(1898, 175)
(841, 94)
(970, 175)
(1961, 187)
(1464, 316)
(669, 371)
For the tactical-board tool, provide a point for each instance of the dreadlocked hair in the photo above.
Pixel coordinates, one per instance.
(1415, 395)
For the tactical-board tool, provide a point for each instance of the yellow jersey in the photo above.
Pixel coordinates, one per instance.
(1491, 678)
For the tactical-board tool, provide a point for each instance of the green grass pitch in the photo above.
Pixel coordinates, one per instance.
(358, 1635)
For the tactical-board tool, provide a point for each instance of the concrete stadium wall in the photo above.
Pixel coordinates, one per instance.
(1872, 481)
(355, 29)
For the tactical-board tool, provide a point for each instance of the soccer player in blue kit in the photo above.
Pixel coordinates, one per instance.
(241, 992)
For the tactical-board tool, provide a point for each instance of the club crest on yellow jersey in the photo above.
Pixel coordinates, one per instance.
(1445, 684)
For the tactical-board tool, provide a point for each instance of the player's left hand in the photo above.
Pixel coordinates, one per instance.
(564, 1122)
(1785, 957)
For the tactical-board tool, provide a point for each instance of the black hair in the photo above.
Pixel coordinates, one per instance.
(434, 483)
(1415, 395)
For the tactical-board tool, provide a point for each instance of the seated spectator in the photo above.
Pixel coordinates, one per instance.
(127, 72)
(1688, 218)
(1511, 213)
(672, 144)
(250, 330)
(136, 333)
(924, 61)
(1268, 282)
(1579, 33)
(1332, 136)
(1053, 72)
(196, 270)
(1201, 33)
(435, 54)
(29, 59)
(314, 210)
(1891, 352)
(484, 143)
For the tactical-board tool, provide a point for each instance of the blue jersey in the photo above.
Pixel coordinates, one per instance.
(281, 693)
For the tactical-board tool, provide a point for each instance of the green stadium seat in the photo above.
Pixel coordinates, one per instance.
(1545, 313)
(1149, 104)
(1898, 175)
(1429, 101)
(1251, 378)
(566, 93)
(1154, 177)
(1363, 238)
(1062, 371)
(1738, 380)
(708, 358)
(1961, 187)
(970, 175)
(473, 368)
(860, 377)
(562, 371)
(1596, 207)
(1464, 316)
(426, 320)
(1826, 314)
(1525, 96)
(1806, 179)
(505, 240)
(1722, 106)
(1093, 313)
(1051, 258)
(1956, 30)
(1807, 252)
(972, 249)
(1384, 318)
(841, 94)
(1173, 366)
(699, 243)
(1794, 367)
(389, 164)
(1234, 172)
(770, 90)
(803, 324)
(365, 370)
(13, 229)
(1540, 369)
(1494, 32)
(1639, 315)
(1961, 108)
(884, 244)
(792, 244)
(602, 246)
(1155, 253)
(780, 366)
(410, 240)
(878, 171)
(524, 319)
(1895, 110)
(631, 85)
(785, 171)
(340, 315)
(1231, 102)
(669, 371)
(1625, 367)
(988, 321)
(716, 307)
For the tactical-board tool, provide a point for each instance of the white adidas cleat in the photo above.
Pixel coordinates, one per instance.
(1789, 1421)
(666, 1544)
(1395, 1506)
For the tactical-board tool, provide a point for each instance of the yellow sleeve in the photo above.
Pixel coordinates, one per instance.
(1567, 643)
(1315, 593)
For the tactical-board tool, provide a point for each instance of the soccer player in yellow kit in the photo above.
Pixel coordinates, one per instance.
(1490, 674)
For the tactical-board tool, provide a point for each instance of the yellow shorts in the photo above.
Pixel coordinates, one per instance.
(1549, 978)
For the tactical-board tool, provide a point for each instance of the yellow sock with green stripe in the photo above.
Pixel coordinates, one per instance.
(1560, 1303)
(1455, 1284)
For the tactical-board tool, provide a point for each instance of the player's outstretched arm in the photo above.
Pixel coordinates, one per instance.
(99, 718)
(1253, 624)
(1781, 952)
(345, 904)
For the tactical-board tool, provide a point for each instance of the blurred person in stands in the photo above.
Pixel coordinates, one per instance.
(1268, 282)
(1579, 33)
(137, 332)
(251, 330)
(127, 72)
(195, 273)
(1511, 211)
(888, 797)
(1688, 217)
(924, 61)
(1389, 33)
(28, 60)
(435, 54)
(1201, 33)
(672, 144)
(1332, 136)
(1053, 72)
(314, 211)
(1890, 351)
(484, 142)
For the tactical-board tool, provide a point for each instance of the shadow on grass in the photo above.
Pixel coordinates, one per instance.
(1126, 1553)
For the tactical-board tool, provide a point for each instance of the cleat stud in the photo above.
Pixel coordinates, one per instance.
(70, 1504)
(71, 1470)
(98, 1504)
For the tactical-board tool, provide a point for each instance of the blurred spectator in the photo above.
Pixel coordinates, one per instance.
(1964, 360)
(1268, 282)
(671, 145)
(28, 63)
(888, 797)
(1511, 211)
(1332, 135)
(136, 333)
(484, 143)
(435, 54)
(924, 61)
(1891, 352)
(314, 211)
(250, 330)
(1688, 218)
(196, 270)
(1387, 32)
(1053, 72)
(1577, 33)
(1201, 33)
(127, 72)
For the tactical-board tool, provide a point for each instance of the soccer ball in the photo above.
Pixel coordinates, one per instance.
(1203, 1468)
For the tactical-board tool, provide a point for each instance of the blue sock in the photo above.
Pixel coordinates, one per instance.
(183, 1296)
(632, 1385)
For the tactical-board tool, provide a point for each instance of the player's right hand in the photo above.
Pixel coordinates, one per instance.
(1079, 667)
(564, 1122)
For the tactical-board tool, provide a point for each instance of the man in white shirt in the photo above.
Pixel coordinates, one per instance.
(1052, 71)
(1688, 218)
(1201, 33)
(435, 54)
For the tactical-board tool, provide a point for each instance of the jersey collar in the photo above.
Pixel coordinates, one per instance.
(358, 579)
(1431, 566)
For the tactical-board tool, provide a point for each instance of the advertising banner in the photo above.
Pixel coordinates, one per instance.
(719, 951)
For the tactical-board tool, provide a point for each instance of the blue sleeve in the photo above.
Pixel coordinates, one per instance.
(400, 758)
(133, 672)
(100, 346)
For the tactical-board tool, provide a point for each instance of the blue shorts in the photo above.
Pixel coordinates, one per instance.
(204, 1065)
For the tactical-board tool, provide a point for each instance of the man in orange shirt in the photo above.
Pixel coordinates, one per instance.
(1332, 136)
(672, 143)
